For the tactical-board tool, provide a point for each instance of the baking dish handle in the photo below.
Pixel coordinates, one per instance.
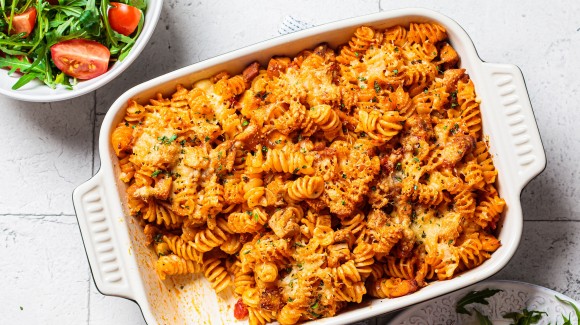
(518, 124)
(100, 240)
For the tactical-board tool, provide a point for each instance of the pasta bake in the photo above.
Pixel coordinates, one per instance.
(317, 180)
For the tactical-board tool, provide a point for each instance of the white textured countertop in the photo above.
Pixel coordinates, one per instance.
(49, 149)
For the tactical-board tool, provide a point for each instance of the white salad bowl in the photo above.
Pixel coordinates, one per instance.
(37, 91)
(114, 241)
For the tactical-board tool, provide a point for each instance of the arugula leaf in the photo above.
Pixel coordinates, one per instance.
(483, 320)
(576, 310)
(526, 317)
(474, 297)
(139, 4)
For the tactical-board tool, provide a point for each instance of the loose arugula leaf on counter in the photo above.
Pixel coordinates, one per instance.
(526, 317)
(474, 297)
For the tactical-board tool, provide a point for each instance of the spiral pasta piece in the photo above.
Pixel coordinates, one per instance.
(357, 46)
(183, 249)
(327, 119)
(216, 274)
(205, 239)
(392, 288)
(288, 162)
(420, 33)
(307, 187)
(175, 265)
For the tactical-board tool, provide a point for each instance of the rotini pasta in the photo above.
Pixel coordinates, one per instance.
(318, 180)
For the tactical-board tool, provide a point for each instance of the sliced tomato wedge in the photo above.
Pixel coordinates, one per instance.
(124, 18)
(81, 58)
(24, 22)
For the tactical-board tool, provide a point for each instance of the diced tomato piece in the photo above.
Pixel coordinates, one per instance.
(240, 310)
(24, 22)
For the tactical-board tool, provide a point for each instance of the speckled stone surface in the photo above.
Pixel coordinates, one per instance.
(49, 149)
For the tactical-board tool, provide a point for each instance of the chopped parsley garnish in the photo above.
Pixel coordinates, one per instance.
(398, 166)
(158, 238)
(363, 79)
(245, 123)
(396, 72)
(454, 129)
(264, 149)
(377, 87)
(207, 138)
(165, 140)
(343, 203)
(155, 173)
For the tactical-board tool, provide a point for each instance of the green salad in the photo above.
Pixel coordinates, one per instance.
(62, 41)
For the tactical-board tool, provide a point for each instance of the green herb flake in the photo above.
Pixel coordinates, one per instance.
(455, 129)
(396, 72)
(158, 238)
(207, 138)
(343, 203)
(377, 87)
(155, 173)
(245, 123)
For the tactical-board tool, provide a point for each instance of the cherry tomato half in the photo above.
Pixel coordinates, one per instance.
(80, 58)
(24, 22)
(124, 18)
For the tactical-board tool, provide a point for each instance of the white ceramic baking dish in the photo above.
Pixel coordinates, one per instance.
(122, 266)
